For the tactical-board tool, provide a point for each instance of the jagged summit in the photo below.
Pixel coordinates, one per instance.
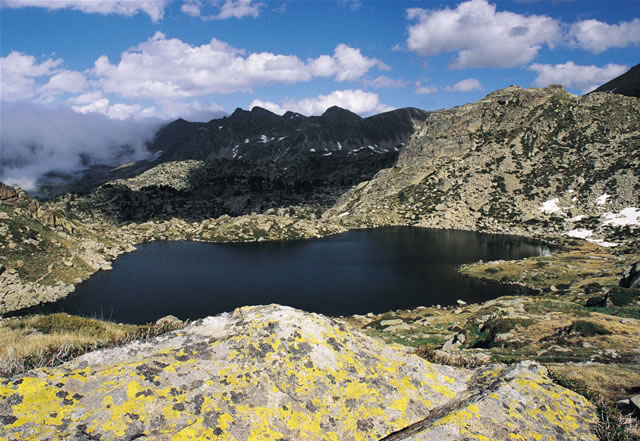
(627, 84)
(261, 135)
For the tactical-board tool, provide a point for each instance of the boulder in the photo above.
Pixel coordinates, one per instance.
(631, 276)
(273, 372)
(8, 194)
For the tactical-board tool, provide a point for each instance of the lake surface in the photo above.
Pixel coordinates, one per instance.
(351, 273)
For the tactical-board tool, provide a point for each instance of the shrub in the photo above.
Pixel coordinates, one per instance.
(589, 329)
(623, 296)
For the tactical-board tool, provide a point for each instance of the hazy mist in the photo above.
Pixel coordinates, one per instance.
(35, 140)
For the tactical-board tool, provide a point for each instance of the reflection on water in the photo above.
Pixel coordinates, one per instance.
(355, 272)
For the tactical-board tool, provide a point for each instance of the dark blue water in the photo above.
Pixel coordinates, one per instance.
(355, 272)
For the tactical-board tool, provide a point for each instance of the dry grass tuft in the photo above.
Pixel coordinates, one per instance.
(48, 340)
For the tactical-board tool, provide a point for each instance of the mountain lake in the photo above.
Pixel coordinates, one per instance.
(352, 273)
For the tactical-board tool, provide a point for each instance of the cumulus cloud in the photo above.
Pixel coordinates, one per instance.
(572, 75)
(466, 85)
(95, 102)
(64, 81)
(358, 101)
(596, 36)
(346, 64)
(36, 140)
(161, 68)
(18, 73)
(479, 35)
(153, 8)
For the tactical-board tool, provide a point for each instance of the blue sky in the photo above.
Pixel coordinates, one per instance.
(134, 59)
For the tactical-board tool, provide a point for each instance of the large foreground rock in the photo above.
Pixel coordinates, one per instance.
(273, 372)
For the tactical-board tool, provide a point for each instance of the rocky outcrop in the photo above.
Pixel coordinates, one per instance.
(7, 194)
(272, 372)
(631, 276)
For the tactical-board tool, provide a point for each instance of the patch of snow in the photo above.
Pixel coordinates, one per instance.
(570, 191)
(577, 218)
(339, 145)
(156, 155)
(583, 233)
(327, 154)
(281, 138)
(580, 233)
(627, 216)
(602, 199)
(219, 127)
(602, 243)
(573, 199)
(344, 214)
(263, 139)
(246, 140)
(550, 206)
(312, 150)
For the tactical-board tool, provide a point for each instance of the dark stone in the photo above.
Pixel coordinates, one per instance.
(592, 287)
(631, 276)
(598, 301)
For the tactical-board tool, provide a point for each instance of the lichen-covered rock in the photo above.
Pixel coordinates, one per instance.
(273, 372)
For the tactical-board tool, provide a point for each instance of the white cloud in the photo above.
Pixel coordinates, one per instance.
(383, 82)
(238, 9)
(571, 75)
(118, 111)
(18, 73)
(191, 8)
(64, 141)
(480, 36)
(347, 64)
(425, 90)
(162, 68)
(466, 85)
(228, 9)
(596, 36)
(65, 81)
(358, 101)
(153, 8)
(192, 110)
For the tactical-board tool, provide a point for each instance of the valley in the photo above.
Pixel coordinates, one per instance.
(538, 163)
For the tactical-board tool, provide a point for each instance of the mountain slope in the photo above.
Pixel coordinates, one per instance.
(535, 161)
(626, 84)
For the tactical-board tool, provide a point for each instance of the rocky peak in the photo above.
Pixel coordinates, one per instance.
(260, 111)
(626, 84)
(338, 114)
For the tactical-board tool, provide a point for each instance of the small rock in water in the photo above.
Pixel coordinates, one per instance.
(461, 302)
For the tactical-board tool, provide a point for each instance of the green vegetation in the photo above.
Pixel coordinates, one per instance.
(623, 296)
(589, 329)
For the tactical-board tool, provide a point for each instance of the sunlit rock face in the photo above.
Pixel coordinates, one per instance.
(277, 373)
